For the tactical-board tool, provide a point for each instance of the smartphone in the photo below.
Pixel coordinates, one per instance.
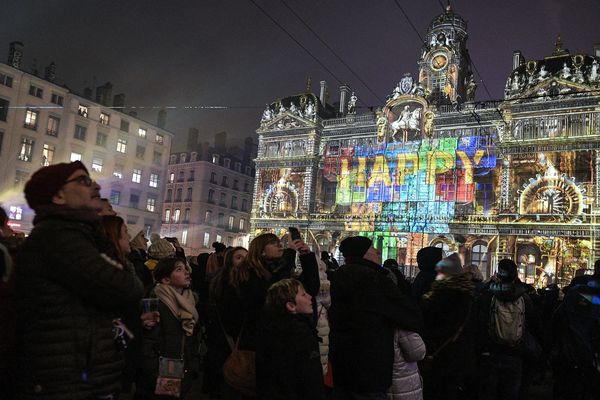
(294, 233)
(171, 239)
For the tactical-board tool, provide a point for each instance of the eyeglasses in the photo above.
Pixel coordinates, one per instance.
(84, 180)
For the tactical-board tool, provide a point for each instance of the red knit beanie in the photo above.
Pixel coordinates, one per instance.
(47, 181)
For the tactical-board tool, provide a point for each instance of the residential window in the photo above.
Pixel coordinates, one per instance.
(218, 238)
(224, 181)
(231, 221)
(122, 146)
(57, 99)
(118, 171)
(246, 187)
(189, 194)
(31, 118)
(234, 202)
(172, 177)
(80, 132)
(115, 197)
(211, 196)
(48, 154)
(183, 157)
(184, 237)
(176, 215)
(167, 215)
(132, 219)
(142, 133)
(191, 178)
(36, 91)
(4, 109)
(215, 159)
(178, 194)
(208, 217)
(221, 219)
(104, 118)
(134, 200)
(75, 156)
(148, 228)
(223, 195)
(173, 159)
(235, 184)
(206, 239)
(169, 195)
(52, 127)
(21, 178)
(160, 139)
(136, 176)
(26, 149)
(153, 180)
(180, 176)
(140, 151)
(242, 224)
(15, 212)
(124, 125)
(97, 163)
(479, 256)
(244, 205)
(227, 163)
(6, 80)
(157, 158)
(248, 170)
(1, 140)
(82, 110)
(213, 177)
(150, 204)
(186, 215)
(237, 166)
(101, 139)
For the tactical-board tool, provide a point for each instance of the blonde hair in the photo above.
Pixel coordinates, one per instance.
(255, 260)
(281, 293)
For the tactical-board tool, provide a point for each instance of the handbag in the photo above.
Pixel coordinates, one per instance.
(170, 374)
(239, 369)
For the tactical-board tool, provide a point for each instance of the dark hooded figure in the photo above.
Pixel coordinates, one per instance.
(427, 258)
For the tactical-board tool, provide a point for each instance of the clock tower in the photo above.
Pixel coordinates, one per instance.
(444, 67)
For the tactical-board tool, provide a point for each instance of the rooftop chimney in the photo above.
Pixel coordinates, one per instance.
(249, 149)
(597, 50)
(119, 101)
(15, 54)
(50, 72)
(104, 94)
(344, 90)
(193, 135)
(323, 92)
(161, 121)
(221, 141)
(87, 93)
(518, 59)
(205, 148)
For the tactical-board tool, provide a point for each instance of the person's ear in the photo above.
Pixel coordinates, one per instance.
(59, 198)
(290, 307)
(165, 281)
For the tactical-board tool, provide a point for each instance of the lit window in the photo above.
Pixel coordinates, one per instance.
(142, 133)
(52, 127)
(122, 146)
(208, 217)
(184, 237)
(219, 238)
(160, 139)
(101, 139)
(167, 215)
(75, 156)
(115, 197)
(242, 224)
(124, 125)
(176, 215)
(26, 149)
(15, 212)
(6, 80)
(36, 91)
(153, 180)
(136, 176)
(206, 239)
(140, 151)
(31, 117)
(151, 204)
(82, 110)
(157, 158)
(231, 221)
(186, 215)
(80, 132)
(97, 163)
(57, 99)
(479, 256)
(104, 118)
(118, 171)
(183, 157)
(47, 154)
(215, 158)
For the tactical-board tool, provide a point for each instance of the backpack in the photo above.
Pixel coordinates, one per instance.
(507, 321)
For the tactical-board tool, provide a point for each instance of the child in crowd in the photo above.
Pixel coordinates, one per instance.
(287, 359)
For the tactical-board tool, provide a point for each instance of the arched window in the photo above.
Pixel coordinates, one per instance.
(178, 194)
(167, 215)
(176, 215)
(442, 245)
(479, 255)
(169, 194)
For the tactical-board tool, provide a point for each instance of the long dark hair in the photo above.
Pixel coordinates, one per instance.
(112, 225)
(223, 276)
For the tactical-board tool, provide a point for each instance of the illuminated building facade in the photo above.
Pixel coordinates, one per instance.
(514, 178)
(43, 123)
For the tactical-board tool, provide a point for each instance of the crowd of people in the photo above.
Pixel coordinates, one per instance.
(90, 312)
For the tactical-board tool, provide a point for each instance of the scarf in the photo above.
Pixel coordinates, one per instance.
(182, 306)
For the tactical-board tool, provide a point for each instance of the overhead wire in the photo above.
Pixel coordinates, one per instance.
(407, 19)
(331, 50)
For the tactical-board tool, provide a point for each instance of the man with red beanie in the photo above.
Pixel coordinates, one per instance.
(68, 292)
(366, 307)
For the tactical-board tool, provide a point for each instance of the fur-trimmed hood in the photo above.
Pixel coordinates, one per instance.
(454, 283)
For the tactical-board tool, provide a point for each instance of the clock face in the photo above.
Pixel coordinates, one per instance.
(439, 61)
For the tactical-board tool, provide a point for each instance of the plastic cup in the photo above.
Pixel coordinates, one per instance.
(149, 305)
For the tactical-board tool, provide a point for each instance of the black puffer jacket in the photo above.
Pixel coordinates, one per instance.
(67, 295)
(366, 307)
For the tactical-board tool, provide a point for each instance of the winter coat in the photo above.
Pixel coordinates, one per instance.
(67, 295)
(323, 301)
(165, 340)
(406, 380)
(366, 307)
(288, 365)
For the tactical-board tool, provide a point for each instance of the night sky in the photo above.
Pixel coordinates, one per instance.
(229, 53)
